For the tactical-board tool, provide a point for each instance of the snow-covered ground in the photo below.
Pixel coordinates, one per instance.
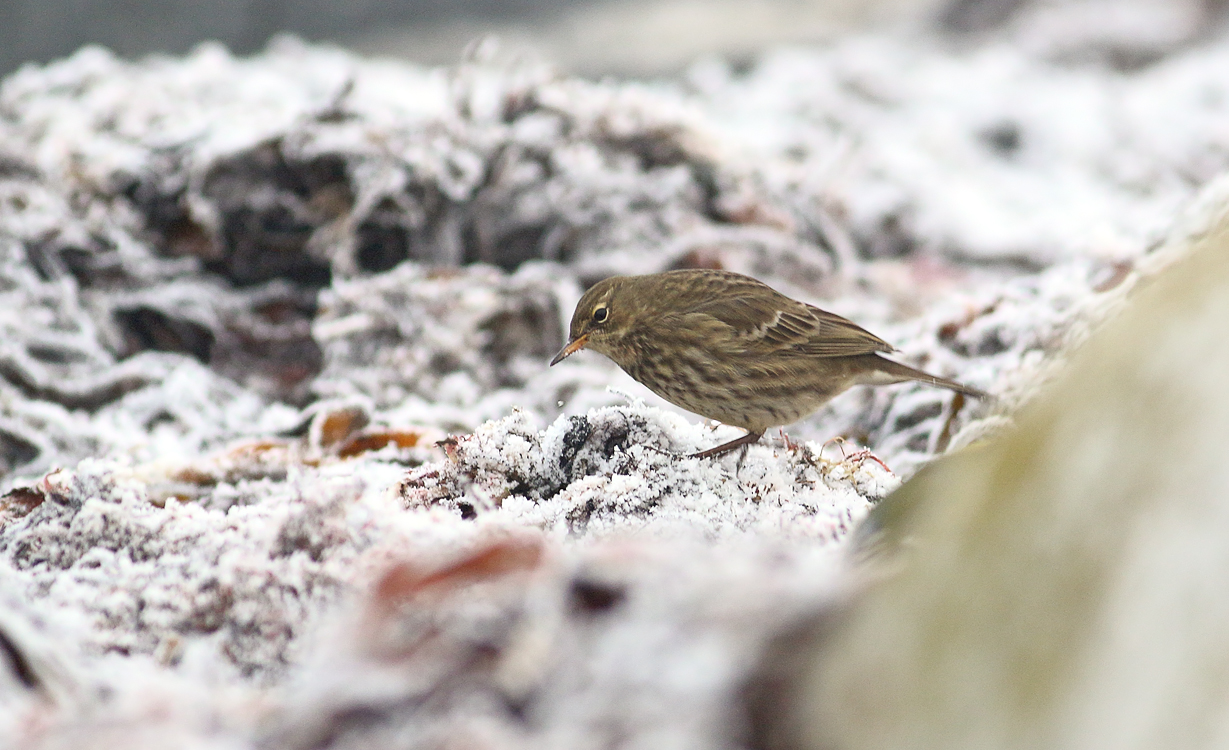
(285, 462)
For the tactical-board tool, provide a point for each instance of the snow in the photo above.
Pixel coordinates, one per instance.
(285, 463)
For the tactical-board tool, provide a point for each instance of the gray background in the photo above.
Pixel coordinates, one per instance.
(592, 37)
(38, 30)
(632, 35)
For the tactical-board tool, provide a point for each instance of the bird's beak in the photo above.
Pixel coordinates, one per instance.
(573, 346)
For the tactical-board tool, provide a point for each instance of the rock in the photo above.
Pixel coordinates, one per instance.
(1061, 585)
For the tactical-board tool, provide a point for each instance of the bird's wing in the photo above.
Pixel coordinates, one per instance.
(777, 324)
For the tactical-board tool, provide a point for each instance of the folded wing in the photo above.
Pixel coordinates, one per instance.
(763, 323)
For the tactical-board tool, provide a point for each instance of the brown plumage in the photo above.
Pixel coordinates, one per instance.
(731, 348)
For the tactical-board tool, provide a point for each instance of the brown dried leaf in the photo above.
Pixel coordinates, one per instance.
(374, 440)
(495, 559)
(19, 502)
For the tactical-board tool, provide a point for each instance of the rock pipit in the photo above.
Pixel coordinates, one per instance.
(731, 348)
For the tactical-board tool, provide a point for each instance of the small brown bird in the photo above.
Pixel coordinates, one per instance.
(731, 348)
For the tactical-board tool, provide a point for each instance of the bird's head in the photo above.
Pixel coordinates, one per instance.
(602, 318)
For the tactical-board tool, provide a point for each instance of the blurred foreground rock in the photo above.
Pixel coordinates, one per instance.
(1063, 586)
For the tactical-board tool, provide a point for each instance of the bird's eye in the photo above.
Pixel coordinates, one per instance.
(600, 315)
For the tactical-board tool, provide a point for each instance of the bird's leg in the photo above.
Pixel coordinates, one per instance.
(745, 440)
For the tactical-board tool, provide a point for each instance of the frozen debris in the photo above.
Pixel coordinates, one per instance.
(238, 550)
(299, 164)
(624, 469)
(147, 578)
(247, 567)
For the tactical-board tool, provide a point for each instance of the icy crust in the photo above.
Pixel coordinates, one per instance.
(629, 469)
(145, 579)
(241, 547)
(516, 587)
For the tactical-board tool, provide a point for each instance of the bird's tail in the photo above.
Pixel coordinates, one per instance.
(888, 371)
